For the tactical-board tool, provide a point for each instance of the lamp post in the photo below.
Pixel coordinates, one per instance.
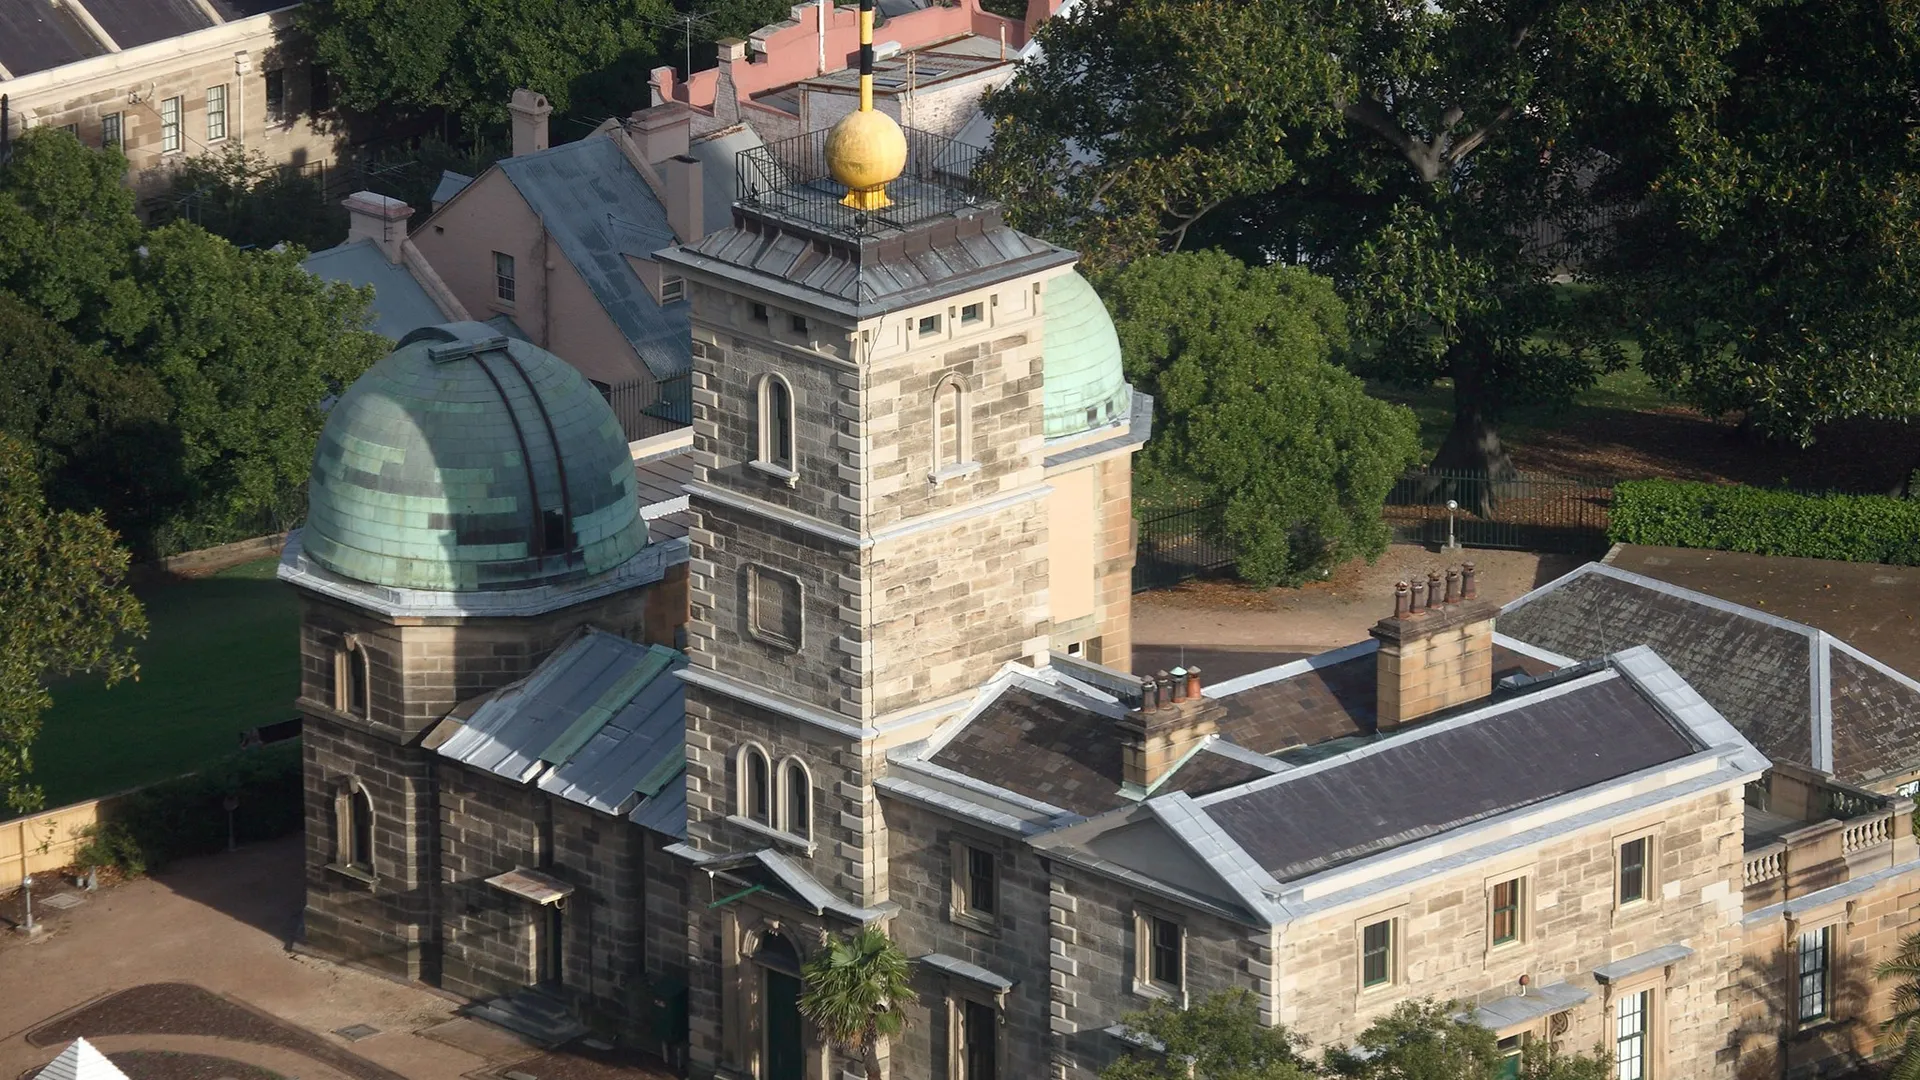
(1452, 543)
(26, 888)
(232, 803)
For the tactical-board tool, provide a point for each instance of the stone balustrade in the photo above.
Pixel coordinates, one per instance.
(1847, 832)
(1765, 864)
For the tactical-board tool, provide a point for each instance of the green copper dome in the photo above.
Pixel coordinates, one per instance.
(1086, 386)
(466, 461)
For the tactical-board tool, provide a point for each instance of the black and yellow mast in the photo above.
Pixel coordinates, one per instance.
(866, 149)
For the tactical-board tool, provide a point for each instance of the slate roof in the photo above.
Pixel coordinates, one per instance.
(601, 722)
(35, 36)
(872, 275)
(400, 304)
(1432, 779)
(451, 184)
(1798, 693)
(1043, 747)
(600, 211)
(142, 22)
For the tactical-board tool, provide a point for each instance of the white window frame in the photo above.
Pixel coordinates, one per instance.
(960, 907)
(957, 1031)
(1829, 933)
(771, 443)
(1144, 982)
(743, 801)
(350, 656)
(1642, 1003)
(672, 289)
(216, 114)
(1523, 910)
(1649, 872)
(784, 792)
(170, 141)
(119, 124)
(506, 287)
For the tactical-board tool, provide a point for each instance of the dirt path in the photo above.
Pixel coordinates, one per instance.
(1229, 628)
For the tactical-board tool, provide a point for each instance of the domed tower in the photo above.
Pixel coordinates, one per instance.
(472, 505)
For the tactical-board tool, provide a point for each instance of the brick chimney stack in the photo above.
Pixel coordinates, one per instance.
(684, 197)
(529, 112)
(1436, 649)
(1170, 721)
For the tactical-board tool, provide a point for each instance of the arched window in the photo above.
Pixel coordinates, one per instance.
(360, 811)
(950, 424)
(756, 786)
(776, 422)
(351, 677)
(797, 786)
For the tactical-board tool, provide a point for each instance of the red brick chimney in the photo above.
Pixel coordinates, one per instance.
(529, 112)
(1170, 720)
(1436, 649)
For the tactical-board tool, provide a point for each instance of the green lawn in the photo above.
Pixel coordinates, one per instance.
(222, 656)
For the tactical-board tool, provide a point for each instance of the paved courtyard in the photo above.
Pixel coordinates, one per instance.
(194, 962)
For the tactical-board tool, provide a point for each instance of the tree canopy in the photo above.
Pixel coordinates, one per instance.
(67, 612)
(1252, 411)
(1772, 257)
(857, 988)
(1409, 149)
(162, 376)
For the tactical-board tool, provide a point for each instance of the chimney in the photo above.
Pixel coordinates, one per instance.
(1170, 721)
(726, 97)
(661, 132)
(529, 111)
(379, 218)
(684, 197)
(1436, 649)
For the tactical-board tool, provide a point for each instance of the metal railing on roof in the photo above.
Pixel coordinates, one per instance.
(790, 178)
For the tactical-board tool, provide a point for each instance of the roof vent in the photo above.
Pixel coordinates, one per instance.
(460, 350)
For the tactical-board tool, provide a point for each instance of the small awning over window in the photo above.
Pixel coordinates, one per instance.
(532, 885)
(1507, 1013)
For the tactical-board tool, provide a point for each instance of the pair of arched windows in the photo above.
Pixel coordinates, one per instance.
(776, 798)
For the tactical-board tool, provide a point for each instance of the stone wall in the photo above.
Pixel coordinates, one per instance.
(1573, 926)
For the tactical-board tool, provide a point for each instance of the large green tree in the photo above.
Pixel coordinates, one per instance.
(1253, 411)
(160, 375)
(1407, 147)
(468, 56)
(1773, 257)
(66, 611)
(1219, 1038)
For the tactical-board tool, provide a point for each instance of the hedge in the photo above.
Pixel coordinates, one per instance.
(1728, 517)
(187, 815)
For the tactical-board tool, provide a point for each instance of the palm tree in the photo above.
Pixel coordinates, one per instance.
(1905, 1021)
(857, 990)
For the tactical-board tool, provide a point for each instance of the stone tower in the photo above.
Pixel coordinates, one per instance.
(870, 542)
(472, 506)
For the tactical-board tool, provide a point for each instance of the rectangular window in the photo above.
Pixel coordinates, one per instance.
(982, 882)
(1633, 871)
(503, 282)
(774, 606)
(759, 313)
(319, 89)
(1164, 967)
(672, 289)
(969, 314)
(929, 325)
(276, 95)
(111, 132)
(980, 1027)
(1815, 975)
(216, 112)
(1376, 954)
(1630, 1036)
(1510, 1049)
(799, 324)
(71, 129)
(170, 126)
(1506, 912)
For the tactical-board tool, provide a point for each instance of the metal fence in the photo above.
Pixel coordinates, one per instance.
(1528, 512)
(791, 177)
(647, 409)
(1176, 544)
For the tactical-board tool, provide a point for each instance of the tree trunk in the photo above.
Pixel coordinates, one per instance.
(871, 1055)
(1473, 446)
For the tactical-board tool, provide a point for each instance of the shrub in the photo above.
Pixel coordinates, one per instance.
(187, 815)
(1725, 517)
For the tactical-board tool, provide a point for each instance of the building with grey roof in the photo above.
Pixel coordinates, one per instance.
(164, 80)
(1801, 694)
(618, 733)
